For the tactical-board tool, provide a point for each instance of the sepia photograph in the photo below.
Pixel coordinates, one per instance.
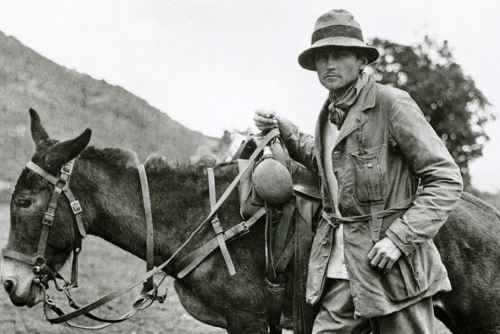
(249, 167)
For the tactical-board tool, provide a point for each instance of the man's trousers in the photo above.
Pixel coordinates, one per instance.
(336, 314)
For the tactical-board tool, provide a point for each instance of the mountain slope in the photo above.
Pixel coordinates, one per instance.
(68, 102)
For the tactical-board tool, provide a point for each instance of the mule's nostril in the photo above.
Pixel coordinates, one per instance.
(8, 285)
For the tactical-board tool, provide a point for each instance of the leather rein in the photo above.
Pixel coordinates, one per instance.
(43, 273)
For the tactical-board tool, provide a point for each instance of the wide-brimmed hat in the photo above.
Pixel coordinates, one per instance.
(336, 28)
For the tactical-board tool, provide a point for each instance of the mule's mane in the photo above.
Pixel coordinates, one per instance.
(112, 157)
(117, 158)
(158, 164)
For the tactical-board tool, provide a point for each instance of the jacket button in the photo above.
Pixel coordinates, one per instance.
(369, 165)
(408, 238)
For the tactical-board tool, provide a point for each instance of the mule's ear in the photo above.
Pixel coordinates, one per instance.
(62, 152)
(37, 131)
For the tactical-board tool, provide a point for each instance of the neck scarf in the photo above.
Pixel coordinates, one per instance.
(339, 105)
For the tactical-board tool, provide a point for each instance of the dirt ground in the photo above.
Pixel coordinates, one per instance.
(103, 268)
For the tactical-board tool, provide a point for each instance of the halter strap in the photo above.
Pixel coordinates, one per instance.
(49, 177)
(42, 271)
(66, 171)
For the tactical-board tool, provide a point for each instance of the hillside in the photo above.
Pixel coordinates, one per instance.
(68, 102)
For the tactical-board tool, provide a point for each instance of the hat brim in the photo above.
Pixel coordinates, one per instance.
(306, 58)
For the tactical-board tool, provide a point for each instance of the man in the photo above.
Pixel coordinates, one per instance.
(388, 185)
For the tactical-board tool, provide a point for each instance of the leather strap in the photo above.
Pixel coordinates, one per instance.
(138, 305)
(286, 256)
(107, 298)
(77, 210)
(12, 254)
(240, 149)
(146, 200)
(48, 220)
(193, 259)
(303, 313)
(74, 203)
(376, 220)
(35, 168)
(334, 219)
(74, 264)
(42, 271)
(216, 223)
(281, 246)
(270, 135)
(282, 233)
(271, 276)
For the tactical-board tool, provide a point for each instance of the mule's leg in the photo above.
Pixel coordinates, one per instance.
(464, 315)
(241, 322)
(443, 314)
(235, 321)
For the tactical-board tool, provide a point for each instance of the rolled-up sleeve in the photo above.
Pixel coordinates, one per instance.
(300, 146)
(440, 179)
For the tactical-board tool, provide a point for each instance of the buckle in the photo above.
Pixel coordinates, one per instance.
(48, 219)
(76, 207)
(67, 168)
(217, 226)
(246, 228)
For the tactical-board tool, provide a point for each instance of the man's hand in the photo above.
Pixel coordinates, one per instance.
(384, 254)
(265, 120)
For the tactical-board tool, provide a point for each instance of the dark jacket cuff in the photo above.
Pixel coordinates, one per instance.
(402, 237)
(287, 128)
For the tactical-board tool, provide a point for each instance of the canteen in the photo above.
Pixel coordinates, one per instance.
(272, 180)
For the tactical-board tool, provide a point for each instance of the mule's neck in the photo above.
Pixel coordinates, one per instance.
(179, 201)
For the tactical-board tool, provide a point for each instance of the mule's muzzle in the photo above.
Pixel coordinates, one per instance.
(9, 285)
(29, 299)
(18, 281)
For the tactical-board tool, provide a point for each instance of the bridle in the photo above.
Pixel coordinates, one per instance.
(43, 273)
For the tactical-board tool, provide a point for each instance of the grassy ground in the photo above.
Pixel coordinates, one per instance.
(103, 268)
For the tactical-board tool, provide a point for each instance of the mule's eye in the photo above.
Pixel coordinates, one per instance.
(23, 202)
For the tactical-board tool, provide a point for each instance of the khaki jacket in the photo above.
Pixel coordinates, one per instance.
(384, 152)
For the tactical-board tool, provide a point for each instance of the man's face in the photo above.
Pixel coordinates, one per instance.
(337, 68)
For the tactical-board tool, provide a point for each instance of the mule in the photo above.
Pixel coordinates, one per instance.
(106, 183)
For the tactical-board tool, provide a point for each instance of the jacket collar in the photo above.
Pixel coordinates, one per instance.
(356, 117)
(354, 120)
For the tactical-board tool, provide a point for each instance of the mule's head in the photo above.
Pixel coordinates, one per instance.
(28, 204)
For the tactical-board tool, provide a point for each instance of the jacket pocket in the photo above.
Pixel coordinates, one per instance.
(370, 166)
(400, 282)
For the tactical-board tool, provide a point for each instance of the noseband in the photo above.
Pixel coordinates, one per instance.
(43, 273)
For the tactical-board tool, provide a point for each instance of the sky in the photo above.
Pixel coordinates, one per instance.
(209, 64)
